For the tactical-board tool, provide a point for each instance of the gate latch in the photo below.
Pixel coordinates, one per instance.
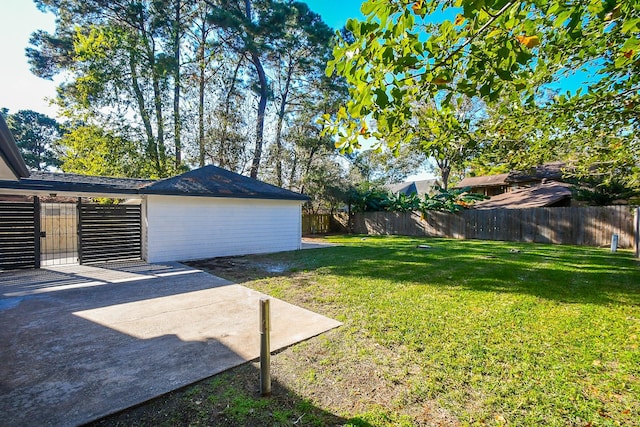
(43, 234)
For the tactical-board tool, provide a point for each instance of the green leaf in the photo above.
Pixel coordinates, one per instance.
(368, 7)
(562, 18)
(631, 25)
(382, 100)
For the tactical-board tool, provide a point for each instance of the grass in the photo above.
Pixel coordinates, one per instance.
(460, 333)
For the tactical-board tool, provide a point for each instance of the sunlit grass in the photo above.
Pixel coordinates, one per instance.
(500, 333)
(459, 333)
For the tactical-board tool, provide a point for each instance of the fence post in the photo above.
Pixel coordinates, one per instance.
(79, 229)
(636, 231)
(37, 228)
(265, 347)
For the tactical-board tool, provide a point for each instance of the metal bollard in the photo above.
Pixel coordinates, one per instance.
(614, 243)
(265, 348)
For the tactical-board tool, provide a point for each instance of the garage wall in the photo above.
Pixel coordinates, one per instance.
(185, 228)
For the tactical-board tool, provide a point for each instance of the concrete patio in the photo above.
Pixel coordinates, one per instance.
(78, 342)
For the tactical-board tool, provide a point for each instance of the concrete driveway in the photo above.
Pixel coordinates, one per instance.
(78, 343)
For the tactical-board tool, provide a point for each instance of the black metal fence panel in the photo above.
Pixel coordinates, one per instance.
(109, 233)
(19, 235)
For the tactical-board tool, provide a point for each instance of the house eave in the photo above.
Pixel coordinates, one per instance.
(10, 156)
(302, 198)
(63, 193)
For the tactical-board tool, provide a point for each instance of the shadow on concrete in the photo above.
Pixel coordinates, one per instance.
(74, 350)
(72, 276)
(231, 398)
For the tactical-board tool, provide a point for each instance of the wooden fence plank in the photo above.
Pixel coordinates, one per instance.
(589, 226)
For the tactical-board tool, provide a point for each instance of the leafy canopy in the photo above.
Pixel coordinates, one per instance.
(407, 55)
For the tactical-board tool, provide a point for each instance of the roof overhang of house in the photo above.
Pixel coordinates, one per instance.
(209, 181)
(484, 181)
(212, 181)
(12, 166)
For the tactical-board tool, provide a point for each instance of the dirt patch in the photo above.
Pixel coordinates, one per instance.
(241, 269)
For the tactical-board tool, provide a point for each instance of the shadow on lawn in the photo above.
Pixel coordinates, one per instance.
(229, 399)
(566, 274)
(562, 273)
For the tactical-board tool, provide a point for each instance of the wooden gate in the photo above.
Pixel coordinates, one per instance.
(109, 232)
(19, 235)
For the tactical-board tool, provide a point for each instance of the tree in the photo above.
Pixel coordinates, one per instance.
(115, 66)
(298, 59)
(400, 59)
(449, 133)
(141, 70)
(254, 24)
(90, 150)
(382, 166)
(37, 136)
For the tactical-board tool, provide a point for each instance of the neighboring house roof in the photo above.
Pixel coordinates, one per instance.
(552, 171)
(12, 164)
(484, 181)
(548, 171)
(418, 187)
(545, 194)
(212, 181)
(209, 181)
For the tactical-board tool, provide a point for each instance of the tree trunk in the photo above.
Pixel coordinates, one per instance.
(281, 113)
(157, 103)
(312, 153)
(445, 171)
(176, 85)
(201, 87)
(262, 103)
(294, 167)
(151, 148)
(262, 106)
(222, 158)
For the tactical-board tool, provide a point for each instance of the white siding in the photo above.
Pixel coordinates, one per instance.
(184, 228)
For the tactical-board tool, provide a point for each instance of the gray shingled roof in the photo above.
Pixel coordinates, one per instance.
(67, 182)
(418, 187)
(212, 181)
(209, 181)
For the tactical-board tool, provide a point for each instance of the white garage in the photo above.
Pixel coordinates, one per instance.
(204, 213)
(211, 212)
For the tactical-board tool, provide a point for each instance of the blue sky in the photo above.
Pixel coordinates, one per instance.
(21, 90)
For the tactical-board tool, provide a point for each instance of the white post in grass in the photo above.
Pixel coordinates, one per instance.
(614, 243)
(265, 350)
(636, 231)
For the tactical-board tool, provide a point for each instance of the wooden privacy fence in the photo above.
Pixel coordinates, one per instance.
(316, 223)
(589, 226)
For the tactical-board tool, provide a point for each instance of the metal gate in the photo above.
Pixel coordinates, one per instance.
(109, 232)
(58, 233)
(19, 235)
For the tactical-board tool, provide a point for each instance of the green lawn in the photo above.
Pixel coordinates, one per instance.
(461, 333)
